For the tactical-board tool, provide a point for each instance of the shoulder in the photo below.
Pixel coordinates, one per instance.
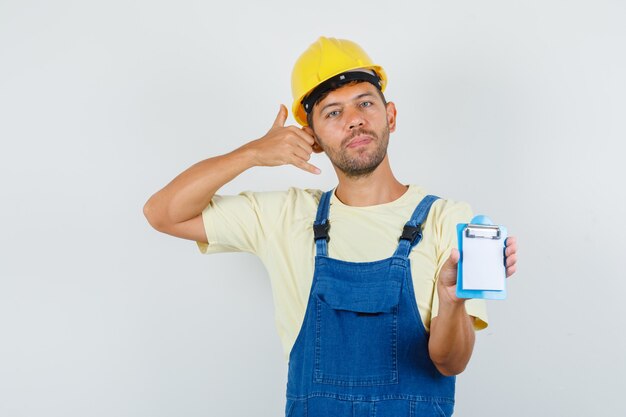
(444, 209)
(445, 213)
(300, 203)
(305, 195)
(270, 206)
(291, 196)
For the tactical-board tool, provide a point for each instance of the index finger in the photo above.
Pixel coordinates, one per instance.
(301, 134)
(304, 135)
(511, 246)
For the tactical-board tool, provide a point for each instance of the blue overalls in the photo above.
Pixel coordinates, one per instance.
(363, 349)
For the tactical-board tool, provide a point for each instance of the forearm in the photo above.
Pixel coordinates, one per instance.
(181, 201)
(451, 337)
(190, 192)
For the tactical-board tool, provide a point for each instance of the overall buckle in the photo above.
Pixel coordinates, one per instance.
(320, 231)
(411, 233)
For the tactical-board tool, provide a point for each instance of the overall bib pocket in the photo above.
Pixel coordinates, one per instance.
(356, 332)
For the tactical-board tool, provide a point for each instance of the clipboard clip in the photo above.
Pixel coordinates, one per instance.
(482, 231)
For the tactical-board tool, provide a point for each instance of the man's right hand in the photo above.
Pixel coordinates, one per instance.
(282, 145)
(177, 208)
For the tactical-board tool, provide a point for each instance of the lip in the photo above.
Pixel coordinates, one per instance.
(359, 140)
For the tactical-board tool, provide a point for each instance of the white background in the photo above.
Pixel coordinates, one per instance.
(516, 107)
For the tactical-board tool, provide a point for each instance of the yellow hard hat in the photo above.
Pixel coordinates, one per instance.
(324, 60)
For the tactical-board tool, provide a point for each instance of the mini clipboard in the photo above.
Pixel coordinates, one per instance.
(481, 272)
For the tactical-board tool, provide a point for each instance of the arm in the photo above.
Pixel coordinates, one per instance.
(452, 332)
(177, 208)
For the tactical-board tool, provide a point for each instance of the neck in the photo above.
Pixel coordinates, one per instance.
(379, 187)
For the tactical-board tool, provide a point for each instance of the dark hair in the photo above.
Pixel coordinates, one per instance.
(309, 116)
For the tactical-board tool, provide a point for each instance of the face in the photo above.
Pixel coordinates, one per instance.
(352, 125)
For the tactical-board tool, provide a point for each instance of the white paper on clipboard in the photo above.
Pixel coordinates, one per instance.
(483, 263)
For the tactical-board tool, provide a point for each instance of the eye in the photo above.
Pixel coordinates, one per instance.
(366, 104)
(333, 113)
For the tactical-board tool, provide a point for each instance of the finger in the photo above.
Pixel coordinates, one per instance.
(511, 241)
(511, 270)
(304, 145)
(281, 117)
(306, 166)
(510, 250)
(299, 137)
(511, 260)
(300, 133)
(511, 246)
(303, 154)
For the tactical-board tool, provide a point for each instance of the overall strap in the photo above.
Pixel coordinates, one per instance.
(412, 232)
(321, 225)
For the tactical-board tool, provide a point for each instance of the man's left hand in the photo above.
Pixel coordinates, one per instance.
(448, 273)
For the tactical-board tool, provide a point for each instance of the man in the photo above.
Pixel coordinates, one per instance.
(368, 331)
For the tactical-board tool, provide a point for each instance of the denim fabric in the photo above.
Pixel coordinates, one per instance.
(363, 349)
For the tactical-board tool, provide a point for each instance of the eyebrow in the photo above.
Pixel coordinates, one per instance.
(360, 96)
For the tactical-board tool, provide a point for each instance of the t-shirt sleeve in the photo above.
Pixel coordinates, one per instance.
(240, 223)
(450, 214)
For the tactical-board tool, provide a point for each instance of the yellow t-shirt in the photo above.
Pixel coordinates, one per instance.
(278, 228)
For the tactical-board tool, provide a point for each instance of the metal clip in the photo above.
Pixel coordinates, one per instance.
(482, 231)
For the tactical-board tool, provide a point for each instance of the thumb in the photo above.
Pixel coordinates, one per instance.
(449, 268)
(281, 117)
(453, 259)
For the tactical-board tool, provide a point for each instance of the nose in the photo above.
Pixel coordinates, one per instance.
(355, 124)
(354, 118)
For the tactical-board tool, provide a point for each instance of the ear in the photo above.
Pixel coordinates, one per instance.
(317, 148)
(391, 116)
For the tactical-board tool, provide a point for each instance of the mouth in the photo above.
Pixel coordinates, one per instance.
(359, 140)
